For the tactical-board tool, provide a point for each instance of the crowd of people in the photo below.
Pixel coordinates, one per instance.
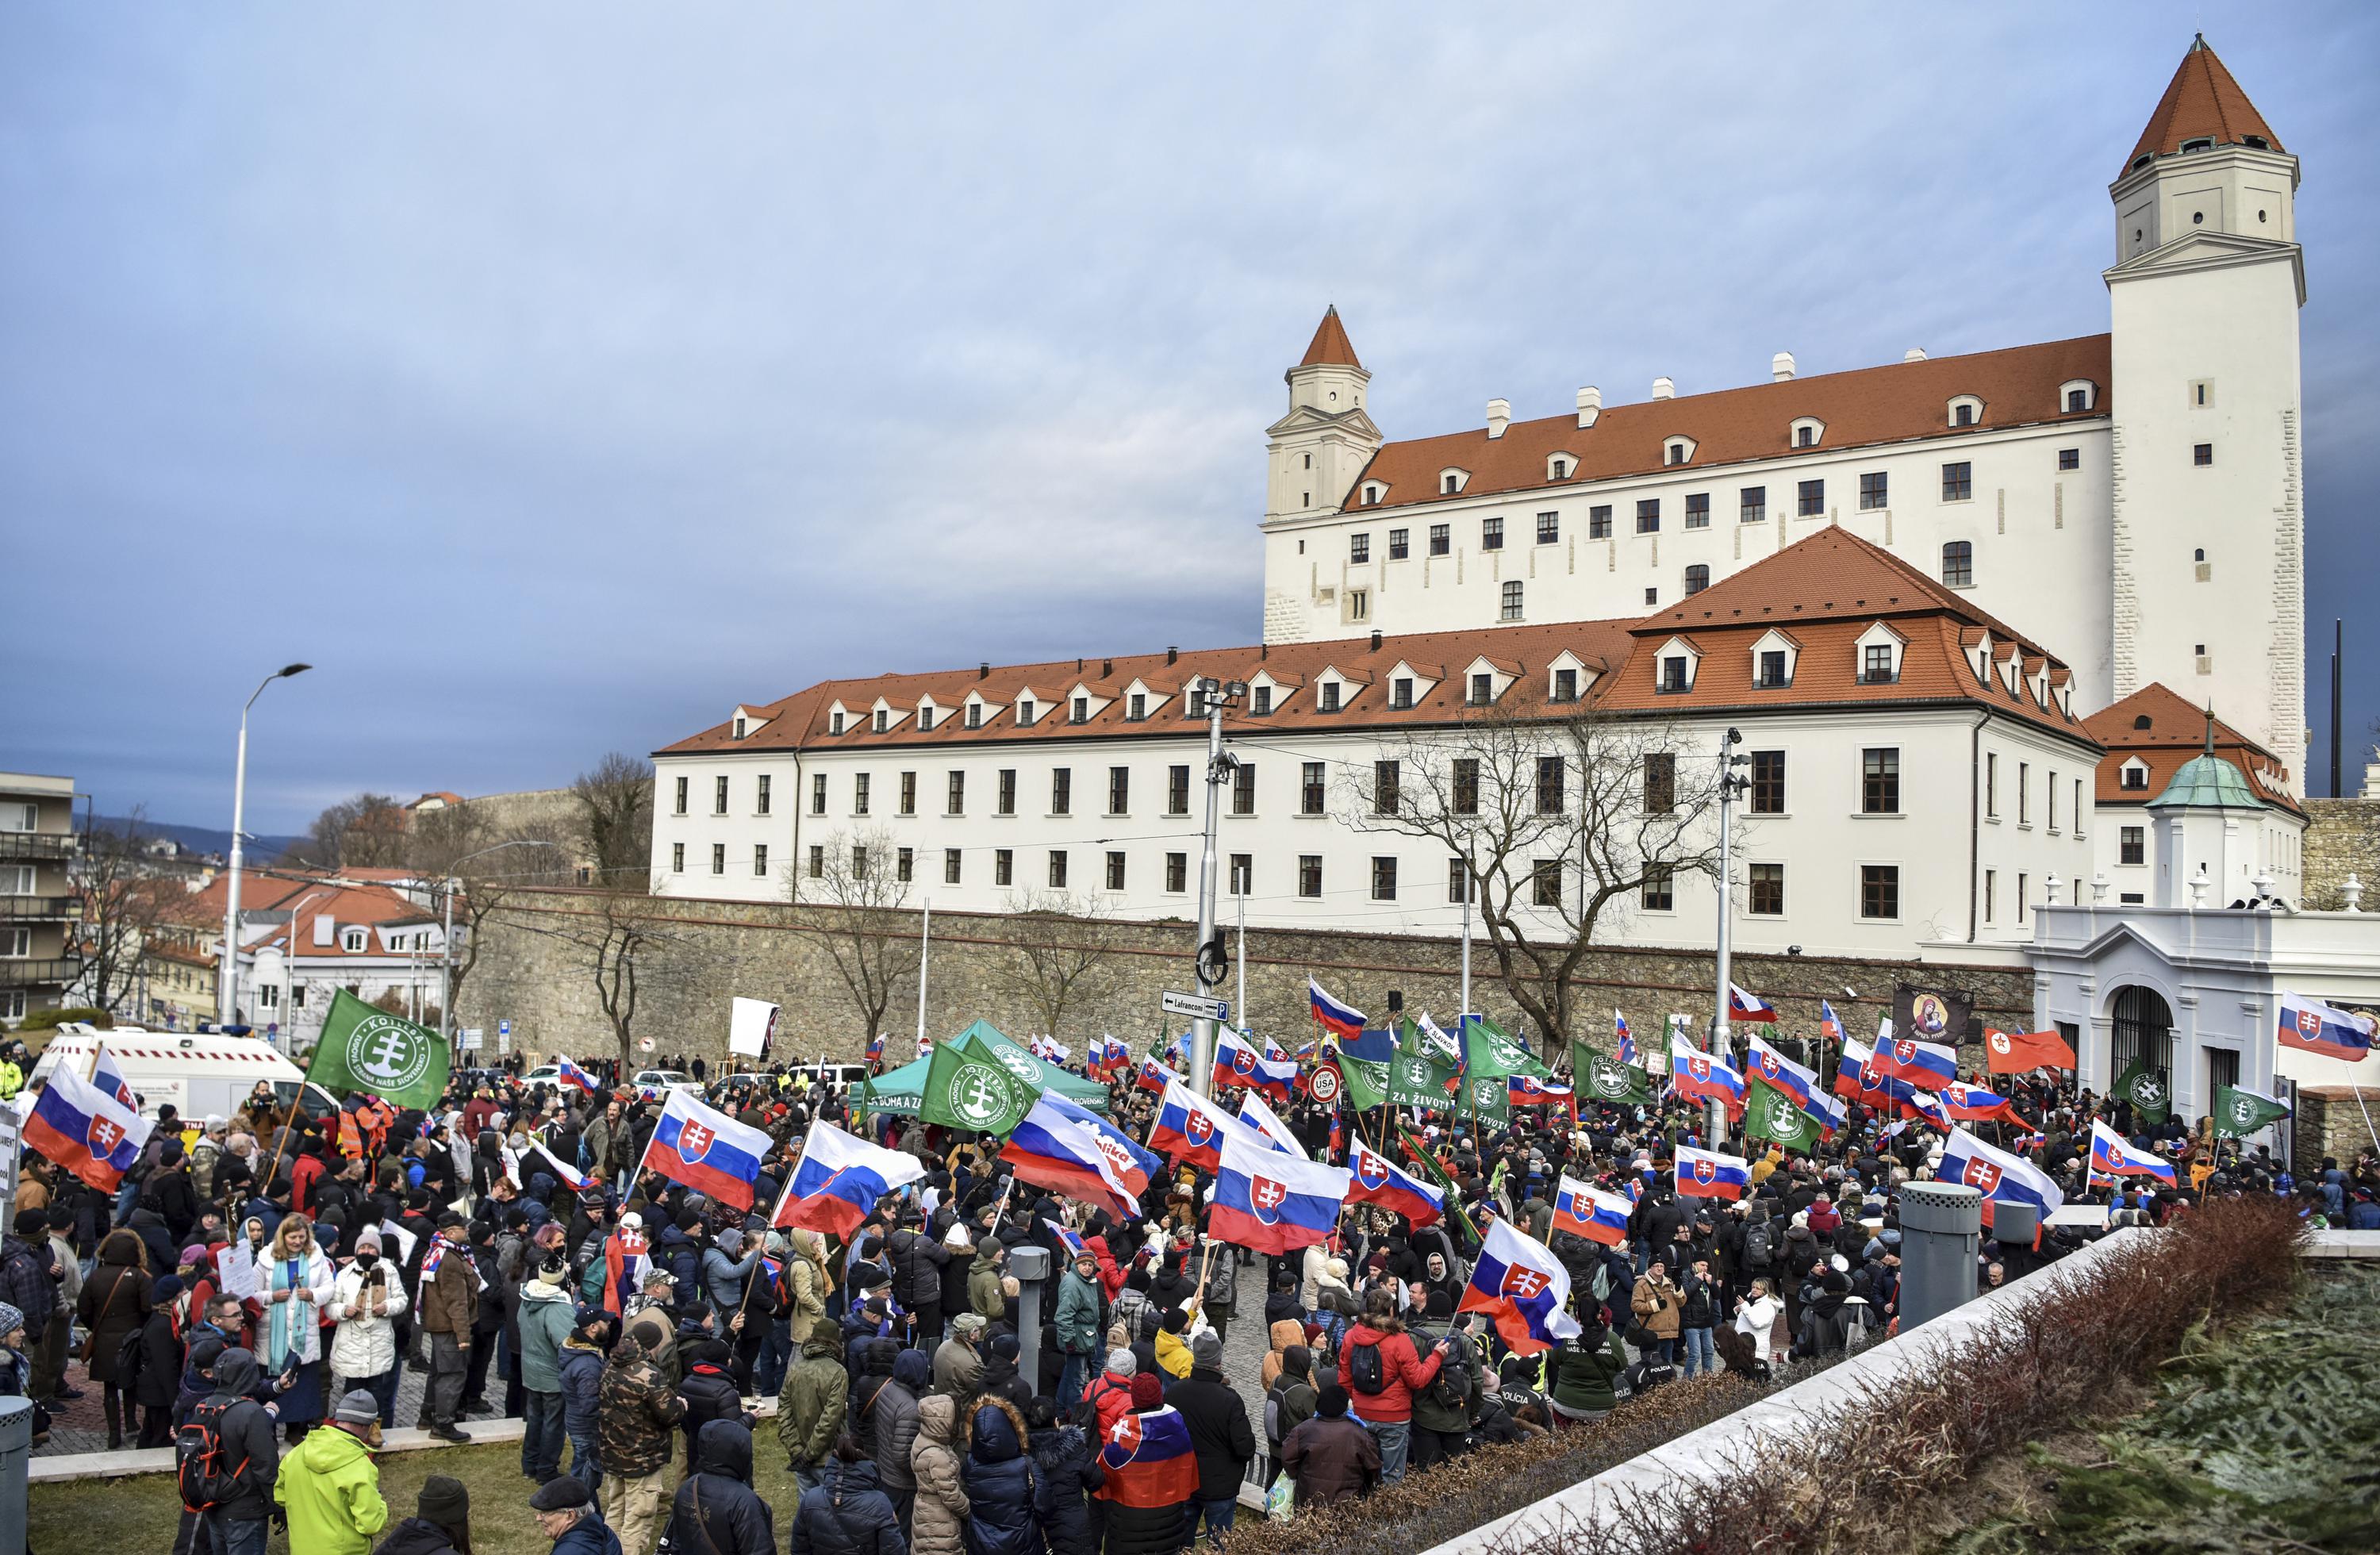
(253, 1292)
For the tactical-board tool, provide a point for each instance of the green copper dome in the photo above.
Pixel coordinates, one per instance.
(2209, 783)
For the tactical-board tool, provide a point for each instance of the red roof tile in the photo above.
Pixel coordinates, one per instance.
(1330, 347)
(1873, 404)
(2201, 103)
(2161, 728)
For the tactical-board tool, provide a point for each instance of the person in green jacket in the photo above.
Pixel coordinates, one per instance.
(329, 1486)
(984, 1295)
(1078, 1325)
(546, 1316)
(1585, 1370)
(811, 1408)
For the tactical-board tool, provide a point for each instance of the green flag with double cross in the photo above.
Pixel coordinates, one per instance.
(1600, 1077)
(969, 1090)
(2240, 1111)
(364, 1051)
(1774, 1112)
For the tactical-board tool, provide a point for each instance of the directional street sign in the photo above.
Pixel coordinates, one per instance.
(471, 1038)
(1199, 1006)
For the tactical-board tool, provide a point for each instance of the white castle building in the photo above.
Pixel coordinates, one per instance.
(1931, 594)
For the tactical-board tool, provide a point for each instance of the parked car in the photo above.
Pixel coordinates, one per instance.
(651, 1083)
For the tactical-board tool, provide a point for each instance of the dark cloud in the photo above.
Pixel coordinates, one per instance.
(554, 376)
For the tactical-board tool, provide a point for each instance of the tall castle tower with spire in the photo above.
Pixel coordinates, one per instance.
(2132, 498)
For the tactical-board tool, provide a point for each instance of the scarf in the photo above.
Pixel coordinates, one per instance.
(284, 1333)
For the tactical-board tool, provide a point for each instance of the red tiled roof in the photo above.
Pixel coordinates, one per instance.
(1830, 587)
(1867, 406)
(2201, 103)
(1330, 347)
(2175, 732)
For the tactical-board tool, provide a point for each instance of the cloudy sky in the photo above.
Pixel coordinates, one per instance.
(554, 375)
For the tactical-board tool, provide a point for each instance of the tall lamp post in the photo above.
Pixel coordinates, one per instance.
(227, 1000)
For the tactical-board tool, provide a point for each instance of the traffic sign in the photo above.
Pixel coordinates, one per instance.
(471, 1038)
(1199, 1006)
(503, 1028)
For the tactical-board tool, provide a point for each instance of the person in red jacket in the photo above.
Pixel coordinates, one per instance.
(1387, 1413)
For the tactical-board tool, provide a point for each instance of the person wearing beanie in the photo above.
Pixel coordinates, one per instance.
(958, 1363)
(1132, 1528)
(564, 1509)
(984, 1296)
(544, 1320)
(1077, 1324)
(15, 1370)
(579, 1368)
(163, 1350)
(441, 1524)
(448, 1297)
(366, 1297)
(1171, 1349)
(1217, 1417)
(1289, 1402)
(1329, 1458)
(637, 1410)
(1106, 1397)
(329, 1488)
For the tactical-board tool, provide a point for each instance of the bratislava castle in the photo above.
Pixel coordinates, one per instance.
(1963, 609)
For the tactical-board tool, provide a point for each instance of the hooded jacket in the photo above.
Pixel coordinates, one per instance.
(636, 1409)
(984, 1295)
(937, 1523)
(1069, 1471)
(330, 1488)
(1078, 1322)
(1284, 1333)
(710, 1392)
(1331, 1459)
(716, 1509)
(246, 1435)
(847, 1514)
(417, 1536)
(1403, 1369)
(546, 1316)
(887, 1420)
(811, 1407)
(579, 1369)
(1002, 1484)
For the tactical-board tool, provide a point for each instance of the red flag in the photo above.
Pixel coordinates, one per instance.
(2017, 1052)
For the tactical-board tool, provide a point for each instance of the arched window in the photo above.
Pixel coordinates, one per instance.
(1958, 564)
(1697, 579)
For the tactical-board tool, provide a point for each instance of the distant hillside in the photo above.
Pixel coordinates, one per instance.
(211, 839)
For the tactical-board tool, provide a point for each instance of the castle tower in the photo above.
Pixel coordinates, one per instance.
(1318, 449)
(2208, 516)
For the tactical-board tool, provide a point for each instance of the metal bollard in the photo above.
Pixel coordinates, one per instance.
(1031, 1267)
(16, 1449)
(1941, 1228)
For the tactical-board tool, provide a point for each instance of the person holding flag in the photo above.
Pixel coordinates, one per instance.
(2003, 1176)
(838, 1181)
(1375, 1179)
(1525, 1289)
(1269, 1201)
(707, 1150)
(1588, 1211)
(1702, 1076)
(568, 1074)
(2112, 1158)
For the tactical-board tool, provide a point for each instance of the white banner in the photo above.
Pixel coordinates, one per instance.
(750, 1024)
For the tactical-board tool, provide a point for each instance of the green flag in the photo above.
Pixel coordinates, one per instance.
(1428, 1165)
(1494, 1052)
(1368, 1081)
(368, 1051)
(966, 1090)
(1418, 1078)
(2146, 1090)
(1601, 1078)
(1483, 1096)
(2239, 1112)
(1775, 1114)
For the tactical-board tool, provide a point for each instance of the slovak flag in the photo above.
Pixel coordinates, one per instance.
(1071, 1240)
(925, 1044)
(839, 1181)
(1133, 1164)
(1851, 1072)
(1155, 1077)
(2004, 1176)
(1149, 1461)
(1378, 1180)
(1703, 1076)
(1523, 1287)
(1265, 1121)
(1926, 1105)
(1711, 1173)
(1975, 1104)
(1239, 1062)
(564, 1173)
(108, 1080)
(707, 1150)
(1830, 1029)
(1189, 1127)
(568, 1074)
(2111, 1155)
(2311, 1026)
(84, 1130)
(1783, 1073)
(1928, 1065)
(1342, 1018)
(1744, 1007)
(1272, 1202)
(876, 1048)
(1112, 1054)
(1623, 1045)
(1527, 1090)
(1590, 1212)
(1052, 1151)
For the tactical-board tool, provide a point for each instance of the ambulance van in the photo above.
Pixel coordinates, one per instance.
(200, 1072)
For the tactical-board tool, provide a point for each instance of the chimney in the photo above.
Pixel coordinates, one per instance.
(1499, 416)
(983, 671)
(1590, 404)
(1107, 669)
(1376, 639)
(1914, 353)
(1780, 366)
(1664, 389)
(1172, 654)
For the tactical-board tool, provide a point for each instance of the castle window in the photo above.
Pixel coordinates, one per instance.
(1752, 504)
(1958, 481)
(1598, 522)
(1441, 540)
(1548, 527)
(2070, 458)
(1812, 499)
(1491, 534)
(1697, 579)
(1873, 490)
(2077, 400)
(2202, 144)
(2202, 453)
(882, 719)
(1397, 546)
(1359, 604)
(1359, 548)
(1964, 418)
(1652, 596)
(1648, 516)
(1677, 453)
(1958, 564)
(1310, 461)
(1698, 511)
(1512, 600)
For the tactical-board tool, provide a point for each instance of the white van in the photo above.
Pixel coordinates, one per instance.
(199, 1073)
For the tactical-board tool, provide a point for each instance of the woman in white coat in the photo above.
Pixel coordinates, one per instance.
(367, 1295)
(292, 1286)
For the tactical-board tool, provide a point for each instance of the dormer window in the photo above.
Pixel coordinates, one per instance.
(1558, 468)
(1194, 701)
(1678, 451)
(925, 716)
(1452, 481)
(1676, 672)
(974, 715)
(1330, 696)
(1263, 701)
(1879, 655)
(1135, 709)
(1772, 662)
(1082, 710)
(2078, 395)
(2201, 144)
(2256, 141)
(2136, 775)
(834, 723)
(1808, 431)
(1373, 493)
(351, 939)
(884, 721)
(1401, 693)
(1966, 411)
(1026, 711)
(1772, 673)
(1565, 685)
(1482, 689)
(739, 728)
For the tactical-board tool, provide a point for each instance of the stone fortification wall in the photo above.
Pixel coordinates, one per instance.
(2342, 837)
(532, 972)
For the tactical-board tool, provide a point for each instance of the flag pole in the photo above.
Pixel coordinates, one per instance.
(2366, 1111)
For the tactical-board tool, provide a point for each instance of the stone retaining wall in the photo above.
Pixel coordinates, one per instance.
(2342, 837)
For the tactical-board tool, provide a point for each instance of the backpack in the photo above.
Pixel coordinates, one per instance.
(1366, 1373)
(1130, 1304)
(1450, 1388)
(201, 1471)
(1759, 1245)
(1272, 1408)
(131, 1356)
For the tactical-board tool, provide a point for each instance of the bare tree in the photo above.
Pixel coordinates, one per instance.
(365, 832)
(483, 868)
(869, 930)
(615, 818)
(128, 910)
(1056, 959)
(1561, 824)
(622, 952)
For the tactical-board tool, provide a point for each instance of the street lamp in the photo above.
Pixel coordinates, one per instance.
(227, 1000)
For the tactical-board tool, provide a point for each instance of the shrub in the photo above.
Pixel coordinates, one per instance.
(50, 1020)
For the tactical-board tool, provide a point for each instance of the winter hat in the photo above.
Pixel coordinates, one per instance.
(1331, 1403)
(1004, 1345)
(445, 1502)
(564, 1494)
(357, 1408)
(1296, 1359)
(167, 1287)
(195, 1256)
(1147, 1391)
(688, 1218)
(10, 1319)
(32, 1222)
(1207, 1350)
(1121, 1364)
(367, 1241)
(731, 1241)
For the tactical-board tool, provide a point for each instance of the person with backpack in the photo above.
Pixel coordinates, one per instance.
(1442, 1412)
(1289, 1403)
(716, 1512)
(1380, 1369)
(225, 1459)
(330, 1488)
